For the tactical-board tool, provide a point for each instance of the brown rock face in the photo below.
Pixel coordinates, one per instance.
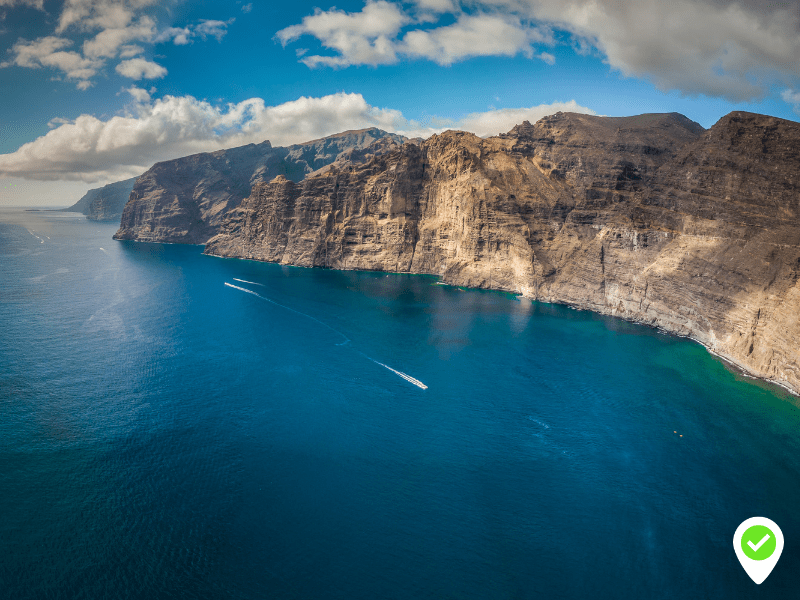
(648, 218)
(186, 200)
(105, 203)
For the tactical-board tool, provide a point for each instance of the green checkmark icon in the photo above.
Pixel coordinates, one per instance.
(758, 542)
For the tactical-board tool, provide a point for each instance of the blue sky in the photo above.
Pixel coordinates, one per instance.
(98, 90)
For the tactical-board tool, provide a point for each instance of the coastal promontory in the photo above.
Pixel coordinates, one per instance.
(105, 203)
(186, 200)
(649, 218)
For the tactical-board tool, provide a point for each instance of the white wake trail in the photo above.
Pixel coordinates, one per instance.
(405, 376)
(250, 282)
(41, 241)
(241, 289)
(297, 312)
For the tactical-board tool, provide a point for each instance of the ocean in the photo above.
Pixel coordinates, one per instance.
(174, 425)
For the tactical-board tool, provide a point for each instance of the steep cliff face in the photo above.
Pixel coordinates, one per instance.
(712, 249)
(186, 200)
(105, 203)
(649, 218)
(474, 210)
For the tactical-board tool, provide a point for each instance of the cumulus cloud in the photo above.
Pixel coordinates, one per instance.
(109, 29)
(6, 5)
(474, 35)
(503, 120)
(139, 68)
(91, 15)
(438, 6)
(365, 37)
(130, 50)
(379, 35)
(181, 36)
(50, 52)
(733, 49)
(793, 98)
(32, 3)
(108, 42)
(137, 95)
(215, 29)
(91, 149)
(714, 47)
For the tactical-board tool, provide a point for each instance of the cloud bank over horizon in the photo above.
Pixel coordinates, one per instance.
(93, 150)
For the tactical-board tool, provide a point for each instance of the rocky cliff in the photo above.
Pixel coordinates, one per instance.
(105, 203)
(186, 200)
(648, 218)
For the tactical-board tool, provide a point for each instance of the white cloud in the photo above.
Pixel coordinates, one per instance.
(139, 68)
(32, 3)
(57, 121)
(503, 120)
(108, 42)
(547, 57)
(714, 47)
(247, 7)
(90, 149)
(90, 15)
(29, 54)
(474, 35)
(366, 37)
(792, 97)
(130, 50)
(734, 49)
(375, 35)
(110, 29)
(138, 94)
(215, 29)
(436, 6)
(181, 36)
(49, 52)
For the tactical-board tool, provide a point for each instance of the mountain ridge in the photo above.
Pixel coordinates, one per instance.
(184, 200)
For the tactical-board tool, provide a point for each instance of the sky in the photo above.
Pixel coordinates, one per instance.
(95, 91)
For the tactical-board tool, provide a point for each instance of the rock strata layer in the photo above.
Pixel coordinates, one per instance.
(186, 200)
(648, 218)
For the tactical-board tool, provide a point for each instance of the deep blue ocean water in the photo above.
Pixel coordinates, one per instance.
(164, 435)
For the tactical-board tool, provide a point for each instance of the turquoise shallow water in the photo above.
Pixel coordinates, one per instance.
(163, 435)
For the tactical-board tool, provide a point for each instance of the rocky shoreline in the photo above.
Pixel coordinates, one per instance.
(649, 218)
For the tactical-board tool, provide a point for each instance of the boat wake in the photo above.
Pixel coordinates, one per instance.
(250, 282)
(41, 241)
(347, 340)
(405, 376)
(297, 312)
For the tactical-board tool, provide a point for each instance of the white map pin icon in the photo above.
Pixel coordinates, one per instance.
(758, 543)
